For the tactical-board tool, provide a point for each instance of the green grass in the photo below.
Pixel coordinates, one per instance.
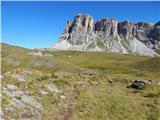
(92, 98)
(151, 65)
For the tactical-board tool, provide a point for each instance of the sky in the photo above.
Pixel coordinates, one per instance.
(40, 24)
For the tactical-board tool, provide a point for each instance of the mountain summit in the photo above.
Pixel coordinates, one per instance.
(84, 34)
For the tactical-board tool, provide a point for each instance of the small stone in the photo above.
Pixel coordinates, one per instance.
(1, 76)
(52, 88)
(68, 56)
(43, 92)
(62, 97)
(110, 80)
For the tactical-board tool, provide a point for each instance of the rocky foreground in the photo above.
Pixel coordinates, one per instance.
(85, 34)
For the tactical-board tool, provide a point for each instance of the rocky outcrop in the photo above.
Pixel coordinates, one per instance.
(18, 100)
(79, 31)
(108, 35)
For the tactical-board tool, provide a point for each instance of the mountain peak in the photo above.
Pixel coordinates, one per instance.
(81, 14)
(108, 35)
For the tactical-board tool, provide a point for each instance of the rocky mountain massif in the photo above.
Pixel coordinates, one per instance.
(84, 34)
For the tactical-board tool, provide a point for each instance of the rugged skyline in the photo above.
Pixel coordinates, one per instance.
(83, 33)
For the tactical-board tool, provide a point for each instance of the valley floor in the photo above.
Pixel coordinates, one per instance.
(69, 85)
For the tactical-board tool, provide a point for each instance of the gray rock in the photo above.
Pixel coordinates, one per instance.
(30, 100)
(52, 88)
(1, 114)
(19, 101)
(68, 56)
(12, 91)
(62, 97)
(139, 84)
(147, 81)
(1, 97)
(87, 72)
(14, 104)
(1, 76)
(43, 92)
(39, 53)
(30, 114)
(21, 75)
(110, 80)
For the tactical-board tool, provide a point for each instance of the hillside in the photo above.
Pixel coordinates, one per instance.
(73, 85)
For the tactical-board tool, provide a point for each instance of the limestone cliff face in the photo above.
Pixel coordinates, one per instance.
(107, 28)
(142, 30)
(108, 35)
(80, 30)
(155, 32)
(126, 29)
(154, 36)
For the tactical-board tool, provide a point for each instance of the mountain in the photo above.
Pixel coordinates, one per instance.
(83, 34)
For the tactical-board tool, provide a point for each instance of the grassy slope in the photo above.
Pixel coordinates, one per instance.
(96, 99)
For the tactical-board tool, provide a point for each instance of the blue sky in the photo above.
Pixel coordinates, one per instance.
(39, 24)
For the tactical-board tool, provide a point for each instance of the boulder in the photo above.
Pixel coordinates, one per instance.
(139, 84)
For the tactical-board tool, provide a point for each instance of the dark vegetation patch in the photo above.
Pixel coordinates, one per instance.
(150, 65)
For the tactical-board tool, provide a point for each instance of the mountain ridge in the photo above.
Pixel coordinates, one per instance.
(83, 34)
